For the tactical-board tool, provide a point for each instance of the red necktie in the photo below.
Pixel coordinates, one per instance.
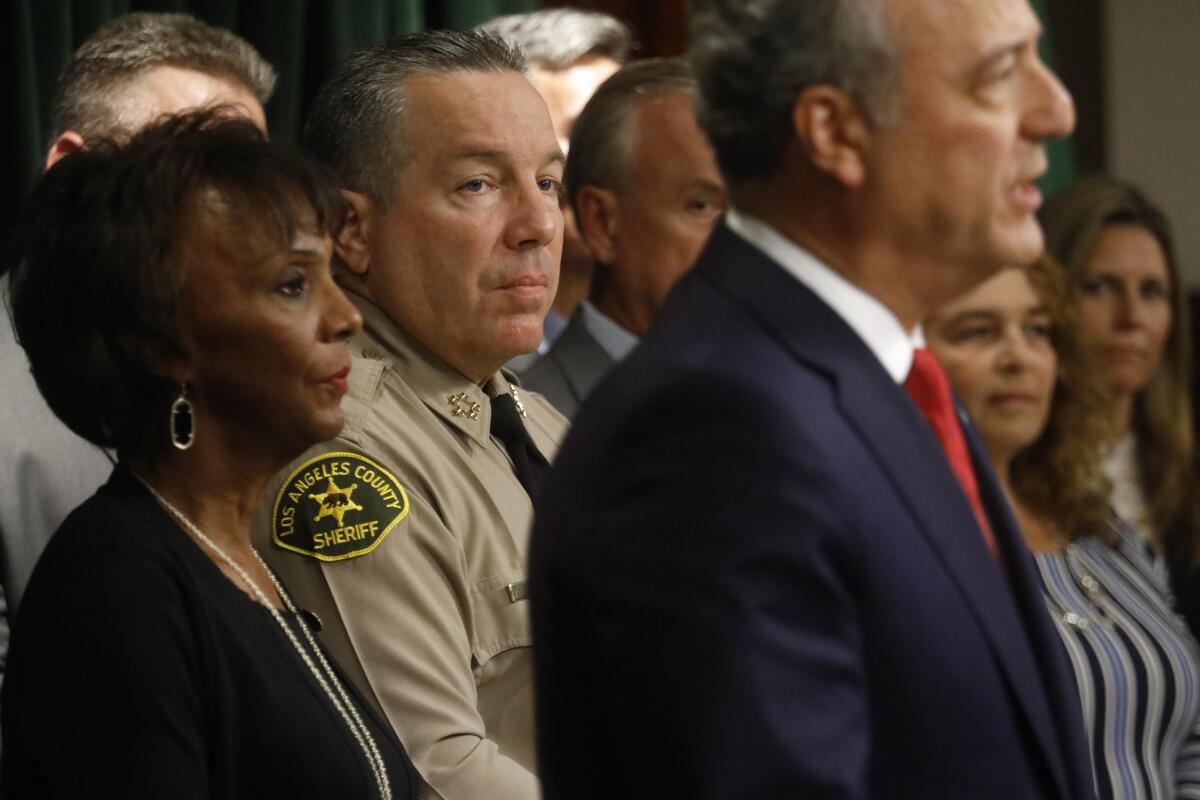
(929, 389)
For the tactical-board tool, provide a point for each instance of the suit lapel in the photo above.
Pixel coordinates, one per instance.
(1061, 693)
(909, 452)
(913, 457)
(580, 358)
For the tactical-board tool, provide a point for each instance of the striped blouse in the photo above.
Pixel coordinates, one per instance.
(1137, 667)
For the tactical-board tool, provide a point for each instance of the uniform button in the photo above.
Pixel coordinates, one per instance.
(372, 354)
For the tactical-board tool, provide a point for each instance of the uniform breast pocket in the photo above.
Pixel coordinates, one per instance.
(501, 617)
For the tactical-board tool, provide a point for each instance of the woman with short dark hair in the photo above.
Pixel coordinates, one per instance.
(175, 299)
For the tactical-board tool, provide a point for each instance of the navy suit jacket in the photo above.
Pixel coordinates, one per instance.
(754, 575)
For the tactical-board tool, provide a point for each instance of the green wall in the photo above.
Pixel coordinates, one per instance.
(302, 38)
(1062, 159)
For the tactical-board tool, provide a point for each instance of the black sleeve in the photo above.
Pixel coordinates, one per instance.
(103, 698)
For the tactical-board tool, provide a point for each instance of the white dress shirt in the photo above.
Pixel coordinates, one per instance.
(1128, 498)
(878, 327)
(612, 338)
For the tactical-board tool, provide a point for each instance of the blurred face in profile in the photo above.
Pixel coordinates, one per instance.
(264, 330)
(1126, 305)
(954, 173)
(995, 345)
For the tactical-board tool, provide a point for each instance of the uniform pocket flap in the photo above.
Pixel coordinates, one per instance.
(501, 614)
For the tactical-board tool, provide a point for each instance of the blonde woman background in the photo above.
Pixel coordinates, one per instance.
(1117, 248)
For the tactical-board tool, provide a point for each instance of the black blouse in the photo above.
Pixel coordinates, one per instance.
(138, 670)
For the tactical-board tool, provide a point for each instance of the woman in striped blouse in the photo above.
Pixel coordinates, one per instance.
(1011, 351)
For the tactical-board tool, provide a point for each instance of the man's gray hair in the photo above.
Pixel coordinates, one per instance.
(603, 136)
(357, 122)
(556, 38)
(128, 47)
(753, 57)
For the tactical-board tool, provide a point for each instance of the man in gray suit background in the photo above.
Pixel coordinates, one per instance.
(644, 185)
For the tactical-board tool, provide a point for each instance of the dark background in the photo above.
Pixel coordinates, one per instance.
(305, 38)
(1073, 45)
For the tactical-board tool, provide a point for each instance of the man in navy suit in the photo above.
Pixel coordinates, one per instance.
(756, 572)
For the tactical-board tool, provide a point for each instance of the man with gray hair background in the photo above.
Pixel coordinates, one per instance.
(128, 73)
(569, 53)
(772, 561)
(643, 183)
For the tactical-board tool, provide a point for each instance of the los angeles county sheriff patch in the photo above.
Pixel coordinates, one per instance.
(337, 506)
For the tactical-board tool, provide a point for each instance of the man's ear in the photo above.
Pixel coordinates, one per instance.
(67, 142)
(597, 212)
(834, 133)
(351, 243)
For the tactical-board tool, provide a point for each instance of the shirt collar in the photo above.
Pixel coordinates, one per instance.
(448, 393)
(878, 327)
(612, 338)
(552, 327)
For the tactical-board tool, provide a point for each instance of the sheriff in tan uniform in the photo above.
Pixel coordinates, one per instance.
(407, 536)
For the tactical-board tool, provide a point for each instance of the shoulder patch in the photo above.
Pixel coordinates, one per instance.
(337, 506)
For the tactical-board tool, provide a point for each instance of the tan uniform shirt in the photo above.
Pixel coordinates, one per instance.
(426, 528)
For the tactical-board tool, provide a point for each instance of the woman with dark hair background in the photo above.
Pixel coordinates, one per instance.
(1011, 350)
(1117, 247)
(175, 299)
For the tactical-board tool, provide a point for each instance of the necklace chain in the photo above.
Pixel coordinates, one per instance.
(325, 675)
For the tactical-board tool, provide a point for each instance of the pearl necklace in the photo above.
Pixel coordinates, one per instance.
(325, 675)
